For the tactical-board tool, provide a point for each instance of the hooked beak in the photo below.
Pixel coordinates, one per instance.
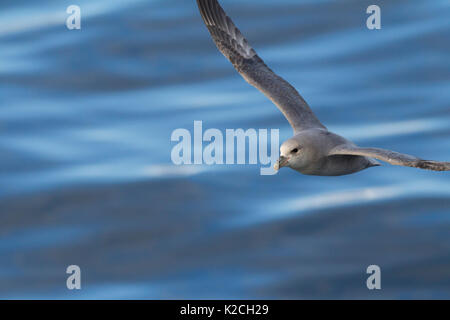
(282, 162)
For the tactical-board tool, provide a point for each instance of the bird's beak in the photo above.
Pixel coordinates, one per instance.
(282, 162)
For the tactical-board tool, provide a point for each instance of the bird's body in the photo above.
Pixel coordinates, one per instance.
(313, 150)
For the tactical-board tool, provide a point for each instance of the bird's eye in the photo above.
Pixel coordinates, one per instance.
(294, 150)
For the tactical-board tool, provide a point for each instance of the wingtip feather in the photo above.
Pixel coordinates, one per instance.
(433, 165)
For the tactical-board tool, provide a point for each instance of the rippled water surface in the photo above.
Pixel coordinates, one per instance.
(86, 177)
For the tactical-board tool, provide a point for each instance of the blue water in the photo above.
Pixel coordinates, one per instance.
(86, 177)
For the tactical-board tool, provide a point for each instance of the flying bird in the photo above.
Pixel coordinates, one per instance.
(313, 150)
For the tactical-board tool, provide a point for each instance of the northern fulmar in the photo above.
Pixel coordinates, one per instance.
(313, 150)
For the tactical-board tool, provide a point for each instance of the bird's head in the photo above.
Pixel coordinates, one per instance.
(292, 154)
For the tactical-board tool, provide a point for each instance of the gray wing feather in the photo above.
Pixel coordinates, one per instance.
(235, 48)
(391, 157)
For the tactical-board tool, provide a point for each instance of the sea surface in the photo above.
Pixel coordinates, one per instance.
(86, 176)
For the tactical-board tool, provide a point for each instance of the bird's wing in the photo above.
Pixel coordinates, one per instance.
(235, 47)
(391, 157)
